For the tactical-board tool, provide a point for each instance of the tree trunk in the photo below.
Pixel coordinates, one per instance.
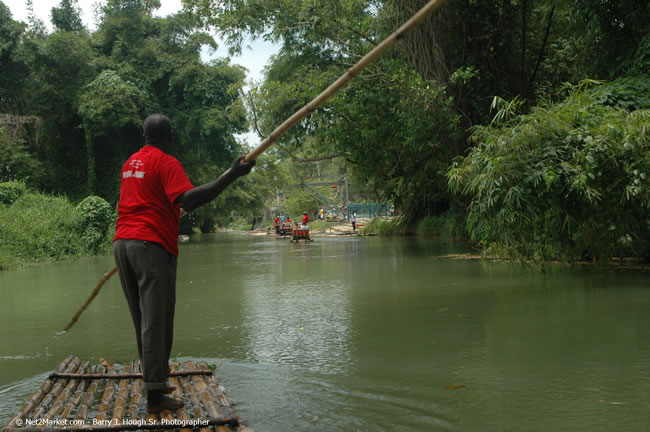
(91, 182)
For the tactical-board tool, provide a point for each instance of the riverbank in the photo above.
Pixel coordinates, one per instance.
(448, 227)
(39, 228)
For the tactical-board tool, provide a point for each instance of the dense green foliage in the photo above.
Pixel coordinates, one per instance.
(400, 123)
(15, 160)
(383, 227)
(97, 218)
(91, 92)
(447, 225)
(38, 227)
(11, 191)
(393, 132)
(570, 180)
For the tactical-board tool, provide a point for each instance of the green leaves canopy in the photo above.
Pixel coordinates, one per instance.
(110, 103)
(570, 180)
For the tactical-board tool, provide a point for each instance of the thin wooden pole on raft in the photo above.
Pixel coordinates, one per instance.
(308, 109)
(126, 375)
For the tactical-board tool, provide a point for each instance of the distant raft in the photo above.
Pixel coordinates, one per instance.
(80, 397)
(285, 230)
(301, 233)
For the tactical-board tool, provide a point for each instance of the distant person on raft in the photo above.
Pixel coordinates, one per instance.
(305, 218)
(154, 188)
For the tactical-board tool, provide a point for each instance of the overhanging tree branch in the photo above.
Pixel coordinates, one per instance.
(541, 51)
(280, 146)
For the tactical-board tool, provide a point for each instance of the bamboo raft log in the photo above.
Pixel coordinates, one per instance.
(80, 397)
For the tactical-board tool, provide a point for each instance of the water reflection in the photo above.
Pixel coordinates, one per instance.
(297, 308)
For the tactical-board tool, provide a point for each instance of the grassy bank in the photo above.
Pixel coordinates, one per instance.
(35, 227)
(450, 224)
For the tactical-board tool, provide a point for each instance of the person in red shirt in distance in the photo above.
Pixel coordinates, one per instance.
(276, 224)
(153, 189)
(305, 218)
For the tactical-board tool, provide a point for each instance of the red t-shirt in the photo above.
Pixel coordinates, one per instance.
(305, 219)
(151, 182)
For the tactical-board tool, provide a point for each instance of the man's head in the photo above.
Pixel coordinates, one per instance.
(157, 131)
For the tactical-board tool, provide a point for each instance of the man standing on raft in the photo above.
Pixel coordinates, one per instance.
(154, 187)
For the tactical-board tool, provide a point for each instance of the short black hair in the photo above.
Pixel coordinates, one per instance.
(157, 129)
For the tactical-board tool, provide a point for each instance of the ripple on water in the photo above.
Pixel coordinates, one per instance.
(279, 398)
(14, 395)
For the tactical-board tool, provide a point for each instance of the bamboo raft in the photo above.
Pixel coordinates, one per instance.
(80, 397)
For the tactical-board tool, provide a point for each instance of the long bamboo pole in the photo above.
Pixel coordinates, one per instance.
(91, 297)
(309, 108)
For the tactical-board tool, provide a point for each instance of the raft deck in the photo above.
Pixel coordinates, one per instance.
(78, 396)
(300, 234)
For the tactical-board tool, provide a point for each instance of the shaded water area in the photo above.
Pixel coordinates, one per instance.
(364, 334)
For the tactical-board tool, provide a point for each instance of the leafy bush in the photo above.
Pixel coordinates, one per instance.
(38, 227)
(450, 224)
(383, 227)
(570, 180)
(16, 163)
(96, 218)
(10, 191)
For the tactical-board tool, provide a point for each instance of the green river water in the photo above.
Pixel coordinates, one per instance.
(362, 334)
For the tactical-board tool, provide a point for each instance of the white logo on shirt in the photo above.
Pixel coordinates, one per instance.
(136, 171)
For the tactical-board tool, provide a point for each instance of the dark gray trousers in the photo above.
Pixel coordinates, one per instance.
(148, 276)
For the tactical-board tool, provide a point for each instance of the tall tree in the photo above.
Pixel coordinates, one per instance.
(13, 69)
(67, 16)
(109, 105)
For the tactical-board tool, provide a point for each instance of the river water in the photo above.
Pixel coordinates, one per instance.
(362, 334)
